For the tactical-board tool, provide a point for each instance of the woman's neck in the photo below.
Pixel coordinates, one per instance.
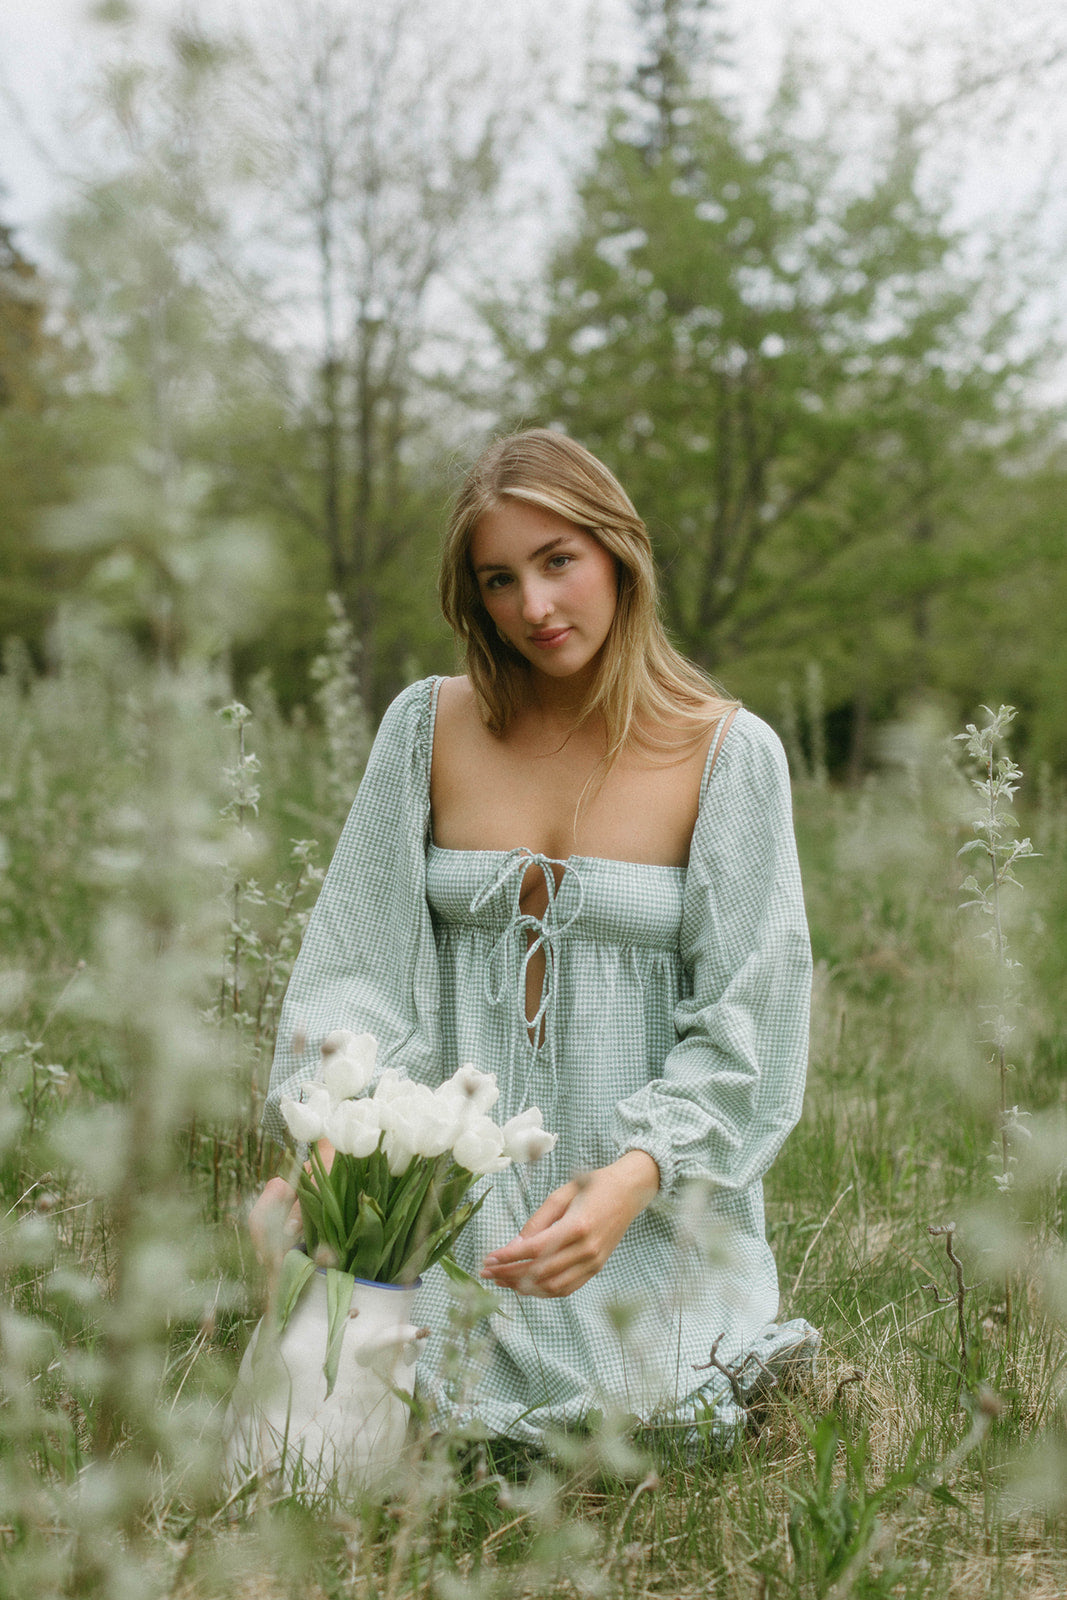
(561, 703)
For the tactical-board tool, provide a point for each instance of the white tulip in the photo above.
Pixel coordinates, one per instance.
(454, 1111)
(473, 1091)
(354, 1127)
(343, 1039)
(391, 1085)
(398, 1152)
(525, 1137)
(393, 1095)
(347, 1062)
(414, 1125)
(480, 1148)
(429, 1133)
(306, 1119)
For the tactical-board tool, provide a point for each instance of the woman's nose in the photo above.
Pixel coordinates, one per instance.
(536, 603)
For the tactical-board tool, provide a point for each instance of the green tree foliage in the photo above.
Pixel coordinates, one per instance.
(1007, 628)
(800, 381)
(22, 337)
(166, 360)
(36, 452)
(815, 390)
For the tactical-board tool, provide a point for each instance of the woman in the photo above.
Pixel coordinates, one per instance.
(575, 867)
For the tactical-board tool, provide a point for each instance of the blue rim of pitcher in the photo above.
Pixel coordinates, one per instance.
(371, 1283)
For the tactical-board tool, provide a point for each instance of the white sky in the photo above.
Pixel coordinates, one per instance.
(48, 49)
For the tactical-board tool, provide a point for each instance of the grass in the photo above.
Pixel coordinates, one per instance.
(134, 888)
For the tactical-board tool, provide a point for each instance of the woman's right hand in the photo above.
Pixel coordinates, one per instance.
(274, 1222)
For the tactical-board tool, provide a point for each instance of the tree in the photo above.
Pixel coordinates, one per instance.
(383, 143)
(22, 335)
(266, 272)
(793, 371)
(153, 275)
(37, 450)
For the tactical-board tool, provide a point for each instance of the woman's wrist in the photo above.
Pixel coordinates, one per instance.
(640, 1173)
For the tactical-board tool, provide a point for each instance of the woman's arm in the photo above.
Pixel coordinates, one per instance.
(732, 1087)
(367, 961)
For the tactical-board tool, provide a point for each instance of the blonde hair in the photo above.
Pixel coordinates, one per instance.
(643, 684)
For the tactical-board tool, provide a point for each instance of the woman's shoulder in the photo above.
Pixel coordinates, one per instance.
(456, 699)
(750, 747)
(411, 708)
(406, 726)
(457, 720)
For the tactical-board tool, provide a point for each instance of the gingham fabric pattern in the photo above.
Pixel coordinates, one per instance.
(674, 1019)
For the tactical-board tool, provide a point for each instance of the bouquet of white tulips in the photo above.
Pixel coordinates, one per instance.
(394, 1199)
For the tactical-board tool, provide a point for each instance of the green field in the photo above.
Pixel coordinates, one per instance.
(150, 904)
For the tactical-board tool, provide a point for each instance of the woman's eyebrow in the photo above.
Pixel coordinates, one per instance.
(542, 550)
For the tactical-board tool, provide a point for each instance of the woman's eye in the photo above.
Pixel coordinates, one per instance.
(496, 581)
(559, 562)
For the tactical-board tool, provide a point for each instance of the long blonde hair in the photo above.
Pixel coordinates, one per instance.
(643, 684)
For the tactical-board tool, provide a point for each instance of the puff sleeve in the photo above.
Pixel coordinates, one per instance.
(367, 961)
(732, 1086)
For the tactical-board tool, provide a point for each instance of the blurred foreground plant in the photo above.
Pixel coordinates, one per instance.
(265, 927)
(996, 852)
(88, 1333)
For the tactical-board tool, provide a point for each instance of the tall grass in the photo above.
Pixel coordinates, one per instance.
(151, 900)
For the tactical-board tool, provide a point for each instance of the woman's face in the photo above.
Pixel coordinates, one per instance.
(550, 588)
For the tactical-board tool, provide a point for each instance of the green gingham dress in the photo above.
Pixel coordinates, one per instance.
(673, 1019)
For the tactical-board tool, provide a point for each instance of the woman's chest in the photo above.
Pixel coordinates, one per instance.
(491, 796)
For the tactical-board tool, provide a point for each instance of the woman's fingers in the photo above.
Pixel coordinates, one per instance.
(528, 1243)
(274, 1220)
(527, 1253)
(558, 1272)
(570, 1237)
(570, 1248)
(549, 1212)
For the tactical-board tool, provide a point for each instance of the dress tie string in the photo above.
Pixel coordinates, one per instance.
(508, 963)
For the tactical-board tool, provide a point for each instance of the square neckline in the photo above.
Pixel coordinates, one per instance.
(596, 861)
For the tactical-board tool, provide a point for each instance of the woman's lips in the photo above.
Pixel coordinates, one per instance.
(550, 637)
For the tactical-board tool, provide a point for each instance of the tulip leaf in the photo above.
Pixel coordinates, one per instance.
(296, 1269)
(452, 1269)
(481, 1301)
(404, 1215)
(439, 1243)
(363, 1249)
(331, 1209)
(457, 1182)
(376, 1176)
(433, 1230)
(339, 1286)
(310, 1212)
(340, 1183)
